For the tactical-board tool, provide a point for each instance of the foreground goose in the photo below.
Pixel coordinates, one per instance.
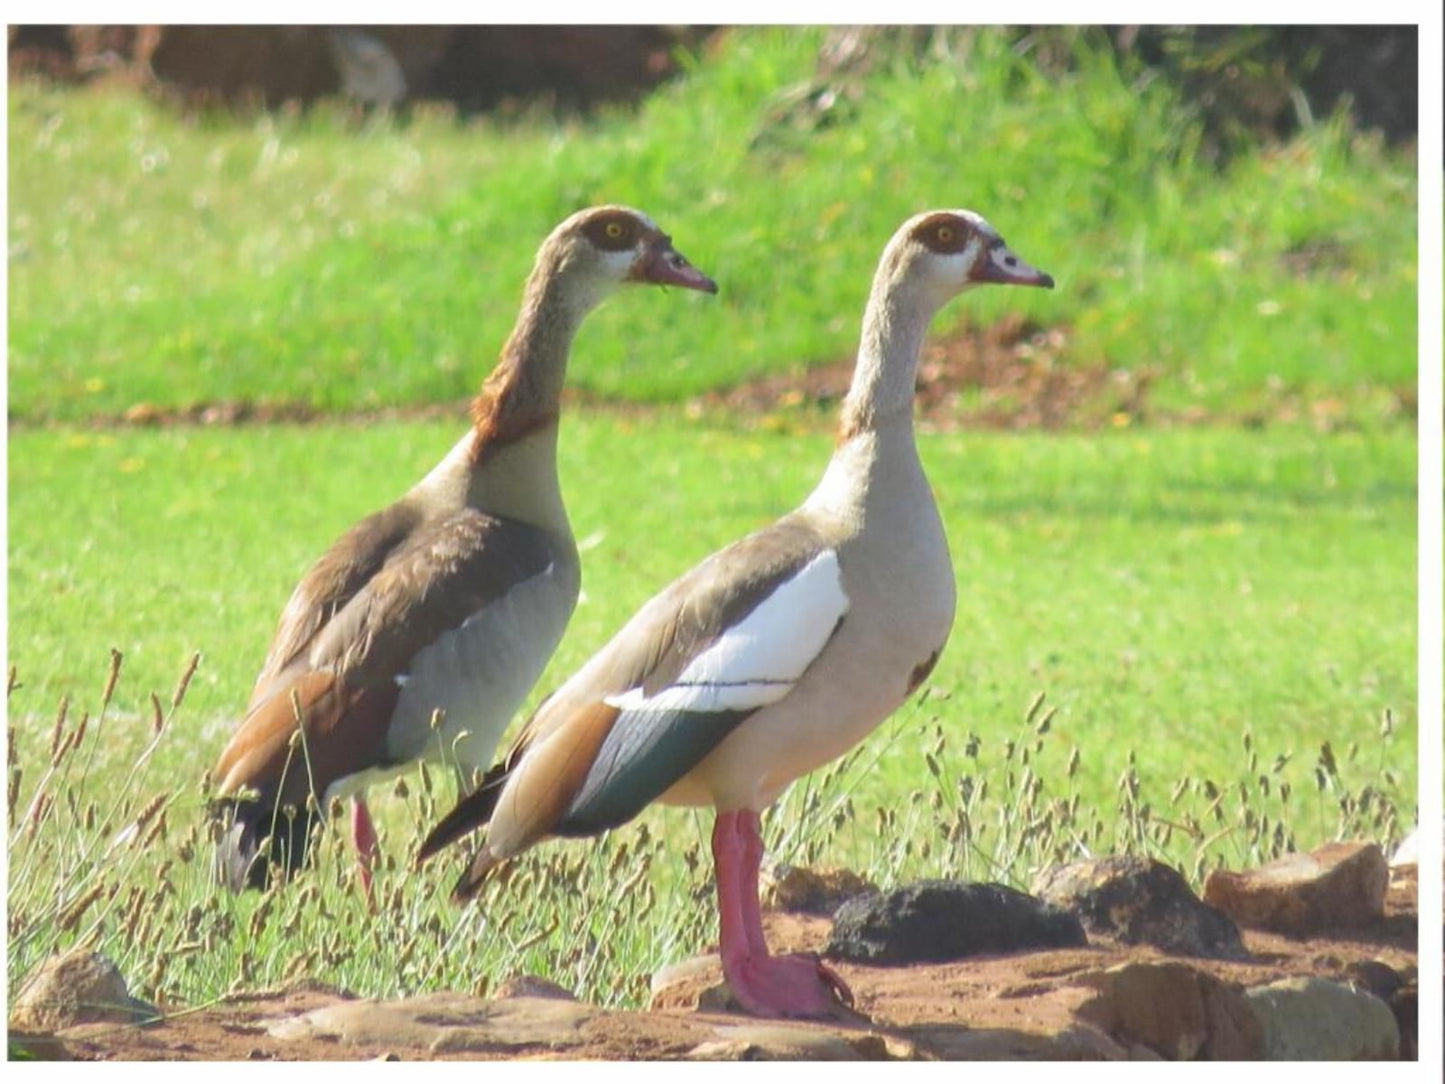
(776, 654)
(452, 599)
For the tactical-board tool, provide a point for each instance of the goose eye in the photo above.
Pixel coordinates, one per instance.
(945, 235)
(614, 230)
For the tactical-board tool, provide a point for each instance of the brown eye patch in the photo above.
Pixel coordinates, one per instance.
(614, 232)
(944, 233)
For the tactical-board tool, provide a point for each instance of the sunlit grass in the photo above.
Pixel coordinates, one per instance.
(1175, 595)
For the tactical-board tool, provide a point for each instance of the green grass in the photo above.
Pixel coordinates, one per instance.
(1171, 592)
(1176, 585)
(299, 259)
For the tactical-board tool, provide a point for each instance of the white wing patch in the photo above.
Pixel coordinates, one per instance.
(760, 659)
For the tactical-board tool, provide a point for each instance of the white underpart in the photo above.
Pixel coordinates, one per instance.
(619, 263)
(760, 659)
(953, 268)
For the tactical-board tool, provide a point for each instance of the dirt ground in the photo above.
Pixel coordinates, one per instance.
(1003, 377)
(995, 1007)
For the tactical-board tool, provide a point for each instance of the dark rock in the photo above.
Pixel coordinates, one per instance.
(1335, 886)
(938, 921)
(1141, 902)
(1405, 1004)
(1374, 977)
(1399, 989)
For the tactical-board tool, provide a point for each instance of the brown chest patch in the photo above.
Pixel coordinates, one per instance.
(921, 672)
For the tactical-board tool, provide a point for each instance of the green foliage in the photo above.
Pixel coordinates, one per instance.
(299, 259)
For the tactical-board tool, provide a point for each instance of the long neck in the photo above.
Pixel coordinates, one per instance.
(523, 393)
(876, 458)
(894, 324)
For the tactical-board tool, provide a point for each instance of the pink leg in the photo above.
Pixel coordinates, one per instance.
(363, 834)
(764, 984)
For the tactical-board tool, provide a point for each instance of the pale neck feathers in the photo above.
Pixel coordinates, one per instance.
(523, 393)
(894, 323)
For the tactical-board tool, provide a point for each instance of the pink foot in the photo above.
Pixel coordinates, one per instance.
(797, 986)
(764, 984)
(363, 834)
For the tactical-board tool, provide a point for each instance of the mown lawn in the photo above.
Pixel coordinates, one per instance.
(1196, 605)
(1166, 589)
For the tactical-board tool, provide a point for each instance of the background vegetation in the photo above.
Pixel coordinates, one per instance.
(1220, 619)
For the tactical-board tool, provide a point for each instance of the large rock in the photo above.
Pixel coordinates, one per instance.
(1336, 886)
(1141, 902)
(938, 921)
(446, 1023)
(1313, 1019)
(784, 1042)
(1176, 1011)
(79, 987)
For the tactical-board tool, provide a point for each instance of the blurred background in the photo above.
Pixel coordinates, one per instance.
(1260, 79)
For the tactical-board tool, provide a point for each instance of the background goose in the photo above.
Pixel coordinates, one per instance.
(451, 599)
(774, 655)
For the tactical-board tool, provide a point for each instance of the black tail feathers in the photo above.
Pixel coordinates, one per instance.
(255, 839)
(470, 812)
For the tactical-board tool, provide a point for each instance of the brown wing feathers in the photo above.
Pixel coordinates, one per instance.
(343, 731)
(525, 798)
(534, 791)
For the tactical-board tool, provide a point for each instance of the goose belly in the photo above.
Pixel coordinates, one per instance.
(479, 673)
(864, 674)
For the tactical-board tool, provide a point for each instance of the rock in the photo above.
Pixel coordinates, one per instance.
(938, 921)
(780, 1042)
(809, 891)
(695, 985)
(521, 985)
(1405, 1004)
(1315, 1019)
(1335, 886)
(79, 987)
(445, 1023)
(1403, 892)
(1374, 977)
(1398, 989)
(1141, 902)
(1077, 1042)
(1173, 1010)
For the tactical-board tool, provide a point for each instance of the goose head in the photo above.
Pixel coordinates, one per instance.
(943, 253)
(603, 248)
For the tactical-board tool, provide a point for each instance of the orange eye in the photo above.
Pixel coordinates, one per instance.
(945, 235)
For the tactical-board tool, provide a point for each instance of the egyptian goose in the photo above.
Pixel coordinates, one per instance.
(774, 655)
(452, 599)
